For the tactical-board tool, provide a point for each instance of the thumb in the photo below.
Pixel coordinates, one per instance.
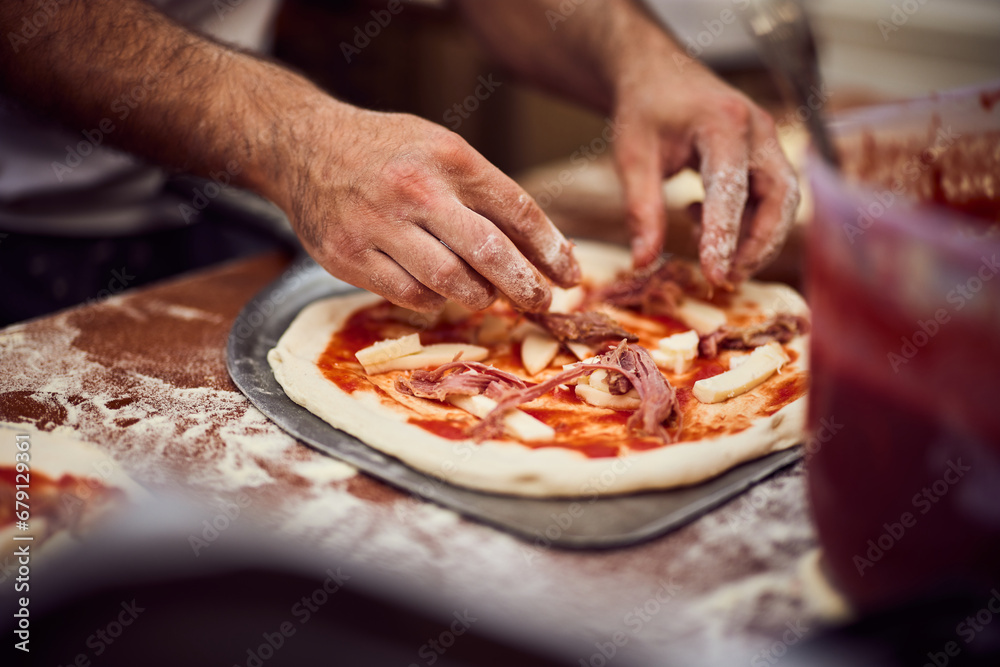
(637, 156)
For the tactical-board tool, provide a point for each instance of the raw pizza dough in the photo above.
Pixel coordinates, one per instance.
(379, 417)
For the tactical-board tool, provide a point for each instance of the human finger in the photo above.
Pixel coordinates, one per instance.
(499, 200)
(437, 267)
(491, 254)
(774, 186)
(637, 156)
(724, 169)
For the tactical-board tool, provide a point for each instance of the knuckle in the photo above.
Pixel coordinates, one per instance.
(734, 111)
(451, 147)
(765, 124)
(482, 299)
(415, 296)
(340, 243)
(413, 182)
(448, 273)
(492, 251)
(524, 212)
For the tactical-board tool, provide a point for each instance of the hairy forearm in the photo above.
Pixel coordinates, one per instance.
(586, 50)
(155, 88)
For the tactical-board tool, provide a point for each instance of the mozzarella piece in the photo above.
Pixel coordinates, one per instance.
(537, 352)
(516, 422)
(385, 351)
(602, 399)
(430, 356)
(566, 300)
(737, 360)
(759, 366)
(524, 328)
(583, 379)
(579, 350)
(595, 391)
(700, 316)
(599, 380)
(676, 353)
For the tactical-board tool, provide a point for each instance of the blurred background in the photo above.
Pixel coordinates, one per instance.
(429, 62)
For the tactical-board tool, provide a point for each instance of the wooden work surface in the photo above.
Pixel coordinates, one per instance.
(142, 377)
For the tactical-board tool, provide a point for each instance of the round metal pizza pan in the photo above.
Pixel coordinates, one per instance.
(606, 522)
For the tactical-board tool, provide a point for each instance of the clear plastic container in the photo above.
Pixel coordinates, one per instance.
(904, 462)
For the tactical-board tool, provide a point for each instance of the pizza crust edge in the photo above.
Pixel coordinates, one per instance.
(508, 467)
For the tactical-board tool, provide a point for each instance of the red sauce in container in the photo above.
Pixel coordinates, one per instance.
(905, 365)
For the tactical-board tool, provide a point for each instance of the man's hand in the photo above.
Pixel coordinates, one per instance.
(407, 209)
(671, 120)
(389, 202)
(673, 113)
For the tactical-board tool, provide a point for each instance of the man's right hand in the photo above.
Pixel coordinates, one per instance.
(407, 209)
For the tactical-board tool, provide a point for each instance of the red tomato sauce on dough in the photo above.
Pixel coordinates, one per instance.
(594, 432)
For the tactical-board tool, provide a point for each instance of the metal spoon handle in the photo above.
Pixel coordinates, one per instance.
(786, 44)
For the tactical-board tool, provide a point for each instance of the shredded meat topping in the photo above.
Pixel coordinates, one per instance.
(782, 328)
(458, 378)
(657, 398)
(588, 328)
(654, 290)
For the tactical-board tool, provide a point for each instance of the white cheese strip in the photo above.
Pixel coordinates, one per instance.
(429, 357)
(385, 351)
(602, 399)
(566, 300)
(595, 391)
(759, 366)
(523, 328)
(537, 352)
(700, 316)
(583, 379)
(676, 353)
(580, 351)
(737, 360)
(516, 422)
